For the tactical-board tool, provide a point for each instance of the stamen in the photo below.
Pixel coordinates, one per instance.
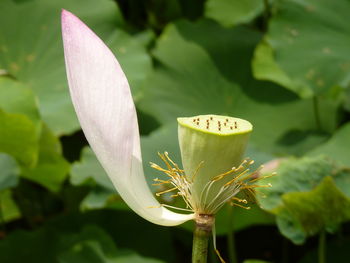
(162, 156)
(241, 206)
(263, 177)
(172, 162)
(214, 200)
(196, 171)
(166, 191)
(219, 256)
(161, 183)
(178, 208)
(249, 176)
(242, 180)
(205, 190)
(257, 186)
(240, 200)
(250, 193)
(220, 176)
(174, 207)
(237, 177)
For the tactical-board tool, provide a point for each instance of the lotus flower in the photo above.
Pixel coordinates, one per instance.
(211, 146)
(102, 100)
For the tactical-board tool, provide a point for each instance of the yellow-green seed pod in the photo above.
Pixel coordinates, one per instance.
(211, 145)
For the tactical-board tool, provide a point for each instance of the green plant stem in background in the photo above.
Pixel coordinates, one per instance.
(2, 220)
(201, 235)
(285, 254)
(231, 237)
(316, 112)
(213, 256)
(322, 247)
(266, 13)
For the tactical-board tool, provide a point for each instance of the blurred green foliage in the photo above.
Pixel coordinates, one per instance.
(282, 64)
(309, 195)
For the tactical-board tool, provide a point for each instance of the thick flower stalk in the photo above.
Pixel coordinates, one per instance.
(211, 146)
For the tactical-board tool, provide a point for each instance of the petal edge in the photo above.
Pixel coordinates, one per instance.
(102, 100)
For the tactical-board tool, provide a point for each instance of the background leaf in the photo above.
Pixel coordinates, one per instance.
(337, 147)
(305, 197)
(8, 208)
(51, 169)
(210, 81)
(312, 30)
(20, 121)
(40, 62)
(9, 172)
(265, 68)
(284, 67)
(233, 12)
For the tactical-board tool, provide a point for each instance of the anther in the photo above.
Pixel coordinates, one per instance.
(240, 200)
(211, 118)
(231, 127)
(226, 120)
(194, 120)
(197, 123)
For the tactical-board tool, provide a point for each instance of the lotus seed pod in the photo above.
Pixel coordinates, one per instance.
(211, 145)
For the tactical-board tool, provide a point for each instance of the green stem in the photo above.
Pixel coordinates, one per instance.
(266, 13)
(231, 237)
(2, 219)
(213, 256)
(285, 254)
(201, 235)
(322, 247)
(316, 112)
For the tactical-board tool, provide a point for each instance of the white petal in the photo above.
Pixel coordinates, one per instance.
(101, 96)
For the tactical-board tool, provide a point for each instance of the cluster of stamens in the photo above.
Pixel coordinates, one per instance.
(232, 182)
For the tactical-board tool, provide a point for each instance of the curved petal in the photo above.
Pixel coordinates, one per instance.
(101, 96)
